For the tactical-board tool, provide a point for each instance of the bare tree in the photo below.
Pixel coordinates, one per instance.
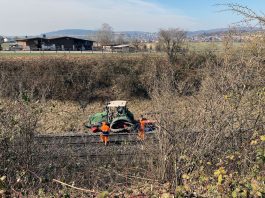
(105, 34)
(136, 44)
(248, 14)
(1, 41)
(158, 47)
(120, 39)
(172, 40)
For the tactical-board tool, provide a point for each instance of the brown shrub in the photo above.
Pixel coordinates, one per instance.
(221, 119)
(91, 78)
(222, 114)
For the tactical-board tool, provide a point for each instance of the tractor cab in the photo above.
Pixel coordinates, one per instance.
(117, 109)
(116, 114)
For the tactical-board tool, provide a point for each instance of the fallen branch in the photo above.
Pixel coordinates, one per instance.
(76, 188)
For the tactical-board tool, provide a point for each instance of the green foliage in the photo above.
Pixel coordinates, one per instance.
(103, 194)
(3, 185)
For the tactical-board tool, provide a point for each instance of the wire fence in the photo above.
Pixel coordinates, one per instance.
(206, 50)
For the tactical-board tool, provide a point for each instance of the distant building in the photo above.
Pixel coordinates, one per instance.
(118, 48)
(34, 43)
(57, 43)
(107, 48)
(71, 43)
(6, 40)
(123, 48)
(11, 46)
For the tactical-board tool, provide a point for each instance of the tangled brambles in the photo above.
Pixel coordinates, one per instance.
(209, 109)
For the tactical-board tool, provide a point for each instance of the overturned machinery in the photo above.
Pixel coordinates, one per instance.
(119, 118)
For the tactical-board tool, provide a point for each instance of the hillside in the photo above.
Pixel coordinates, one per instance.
(91, 33)
(145, 35)
(70, 32)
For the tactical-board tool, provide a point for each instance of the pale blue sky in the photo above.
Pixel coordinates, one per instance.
(29, 17)
(208, 14)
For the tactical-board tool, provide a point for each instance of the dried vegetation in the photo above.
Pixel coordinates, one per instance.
(211, 135)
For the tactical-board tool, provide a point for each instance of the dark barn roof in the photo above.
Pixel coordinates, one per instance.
(70, 37)
(31, 38)
(52, 38)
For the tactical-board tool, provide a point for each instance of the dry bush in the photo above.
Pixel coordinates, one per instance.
(95, 78)
(217, 122)
(17, 126)
(30, 167)
(67, 78)
(210, 116)
(172, 41)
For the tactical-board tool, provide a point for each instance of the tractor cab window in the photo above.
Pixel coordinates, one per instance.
(120, 111)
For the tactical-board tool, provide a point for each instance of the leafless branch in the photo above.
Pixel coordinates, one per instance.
(76, 188)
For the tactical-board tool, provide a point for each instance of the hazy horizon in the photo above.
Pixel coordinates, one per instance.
(47, 32)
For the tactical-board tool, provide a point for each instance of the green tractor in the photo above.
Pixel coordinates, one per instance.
(117, 115)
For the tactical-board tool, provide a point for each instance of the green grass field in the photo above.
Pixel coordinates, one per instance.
(215, 46)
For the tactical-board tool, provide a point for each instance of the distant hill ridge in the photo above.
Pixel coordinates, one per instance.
(70, 32)
(141, 35)
(83, 32)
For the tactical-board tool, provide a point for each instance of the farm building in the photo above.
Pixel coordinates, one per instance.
(56, 43)
(34, 43)
(123, 48)
(108, 48)
(118, 48)
(10, 46)
(71, 43)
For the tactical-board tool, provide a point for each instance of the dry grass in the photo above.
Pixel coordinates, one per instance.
(60, 117)
(57, 117)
